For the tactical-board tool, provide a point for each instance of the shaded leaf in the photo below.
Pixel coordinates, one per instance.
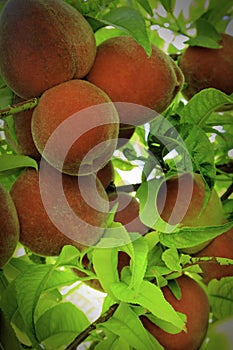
(146, 5)
(29, 287)
(207, 35)
(168, 5)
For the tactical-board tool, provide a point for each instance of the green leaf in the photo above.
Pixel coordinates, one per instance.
(202, 104)
(196, 141)
(8, 339)
(122, 164)
(112, 341)
(221, 297)
(138, 262)
(48, 300)
(147, 194)
(207, 35)
(109, 342)
(219, 119)
(168, 5)
(166, 326)
(228, 209)
(217, 11)
(9, 305)
(105, 265)
(8, 302)
(60, 278)
(58, 326)
(188, 237)
(14, 162)
(126, 324)
(68, 256)
(116, 235)
(171, 259)
(150, 297)
(29, 287)
(6, 95)
(15, 267)
(131, 22)
(152, 238)
(140, 133)
(146, 5)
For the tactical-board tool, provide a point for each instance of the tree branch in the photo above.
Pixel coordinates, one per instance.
(227, 194)
(19, 107)
(128, 188)
(84, 334)
(227, 168)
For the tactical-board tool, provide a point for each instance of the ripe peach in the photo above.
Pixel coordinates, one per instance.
(48, 223)
(186, 210)
(81, 137)
(221, 246)
(9, 226)
(194, 304)
(124, 71)
(43, 43)
(208, 68)
(127, 212)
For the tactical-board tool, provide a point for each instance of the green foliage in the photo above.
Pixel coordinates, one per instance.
(33, 303)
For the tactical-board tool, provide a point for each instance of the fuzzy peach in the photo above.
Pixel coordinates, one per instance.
(75, 127)
(124, 71)
(43, 43)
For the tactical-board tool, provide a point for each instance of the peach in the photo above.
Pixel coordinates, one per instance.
(9, 226)
(43, 43)
(208, 68)
(49, 220)
(124, 71)
(75, 127)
